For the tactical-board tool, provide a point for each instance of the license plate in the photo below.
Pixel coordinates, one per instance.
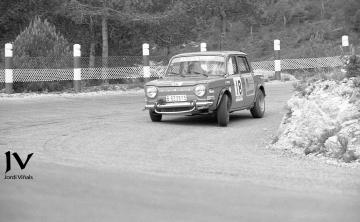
(176, 98)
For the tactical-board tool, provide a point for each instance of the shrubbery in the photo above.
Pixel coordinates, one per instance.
(323, 119)
(39, 46)
(352, 66)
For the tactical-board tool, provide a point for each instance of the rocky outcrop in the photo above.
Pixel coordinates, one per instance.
(323, 118)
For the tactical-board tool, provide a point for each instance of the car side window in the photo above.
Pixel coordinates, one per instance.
(232, 66)
(243, 65)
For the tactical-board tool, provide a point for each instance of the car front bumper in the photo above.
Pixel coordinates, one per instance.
(179, 107)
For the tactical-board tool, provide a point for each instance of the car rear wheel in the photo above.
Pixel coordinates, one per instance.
(259, 107)
(154, 116)
(222, 113)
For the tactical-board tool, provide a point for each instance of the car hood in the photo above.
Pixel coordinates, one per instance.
(181, 81)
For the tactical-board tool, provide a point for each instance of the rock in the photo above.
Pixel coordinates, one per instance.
(332, 144)
(349, 156)
(311, 149)
(350, 122)
(324, 121)
(354, 97)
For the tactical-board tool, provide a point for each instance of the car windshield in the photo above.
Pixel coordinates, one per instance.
(197, 66)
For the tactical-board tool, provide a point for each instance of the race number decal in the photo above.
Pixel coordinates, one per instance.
(238, 89)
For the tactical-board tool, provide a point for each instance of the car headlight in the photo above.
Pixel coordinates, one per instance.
(151, 91)
(200, 90)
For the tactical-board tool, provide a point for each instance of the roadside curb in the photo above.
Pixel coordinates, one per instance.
(4, 96)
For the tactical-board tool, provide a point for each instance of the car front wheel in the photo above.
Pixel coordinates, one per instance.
(259, 107)
(222, 113)
(154, 116)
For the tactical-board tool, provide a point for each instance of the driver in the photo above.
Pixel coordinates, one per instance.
(195, 68)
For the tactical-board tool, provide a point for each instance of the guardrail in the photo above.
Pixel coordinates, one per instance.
(38, 75)
(303, 63)
(9, 75)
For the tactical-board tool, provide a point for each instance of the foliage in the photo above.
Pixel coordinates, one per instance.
(353, 66)
(307, 28)
(15, 15)
(40, 46)
(352, 14)
(40, 39)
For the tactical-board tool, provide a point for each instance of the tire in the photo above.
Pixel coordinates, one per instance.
(222, 113)
(259, 106)
(214, 116)
(154, 116)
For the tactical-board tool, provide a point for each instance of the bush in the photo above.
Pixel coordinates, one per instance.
(353, 66)
(43, 86)
(39, 46)
(300, 87)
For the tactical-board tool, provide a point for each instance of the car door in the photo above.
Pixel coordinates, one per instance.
(247, 77)
(237, 84)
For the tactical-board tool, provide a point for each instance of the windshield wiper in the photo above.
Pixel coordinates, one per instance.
(197, 73)
(217, 74)
(176, 74)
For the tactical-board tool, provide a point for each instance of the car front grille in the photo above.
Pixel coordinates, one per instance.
(174, 110)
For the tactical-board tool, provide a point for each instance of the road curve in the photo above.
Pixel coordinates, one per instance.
(101, 158)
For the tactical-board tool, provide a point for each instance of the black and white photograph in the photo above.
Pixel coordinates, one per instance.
(180, 110)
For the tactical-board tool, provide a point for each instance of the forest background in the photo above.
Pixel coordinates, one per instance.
(307, 28)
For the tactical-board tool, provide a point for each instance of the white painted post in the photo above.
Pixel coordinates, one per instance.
(345, 44)
(277, 59)
(9, 79)
(77, 67)
(203, 47)
(146, 61)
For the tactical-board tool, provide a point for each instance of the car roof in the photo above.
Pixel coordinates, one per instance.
(221, 53)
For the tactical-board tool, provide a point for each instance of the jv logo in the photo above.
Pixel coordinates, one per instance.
(18, 159)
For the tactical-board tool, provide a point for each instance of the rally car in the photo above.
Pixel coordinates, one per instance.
(217, 83)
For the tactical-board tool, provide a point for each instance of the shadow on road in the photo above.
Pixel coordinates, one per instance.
(204, 120)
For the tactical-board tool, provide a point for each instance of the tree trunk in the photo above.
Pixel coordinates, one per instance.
(251, 32)
(223, 28)
(168, 51)
(322, 9)
(353, 50)
(92, 44)
(105, 49)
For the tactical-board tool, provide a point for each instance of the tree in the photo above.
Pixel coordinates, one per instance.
(352, 15)
(40, 46)
(15, 15)
(40, 39)
(224, 11)
(175, 30)
(121, 11)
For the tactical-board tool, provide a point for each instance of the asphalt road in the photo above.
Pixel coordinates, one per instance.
(100, 158)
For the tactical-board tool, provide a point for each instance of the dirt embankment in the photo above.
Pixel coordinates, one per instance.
(323, 119)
